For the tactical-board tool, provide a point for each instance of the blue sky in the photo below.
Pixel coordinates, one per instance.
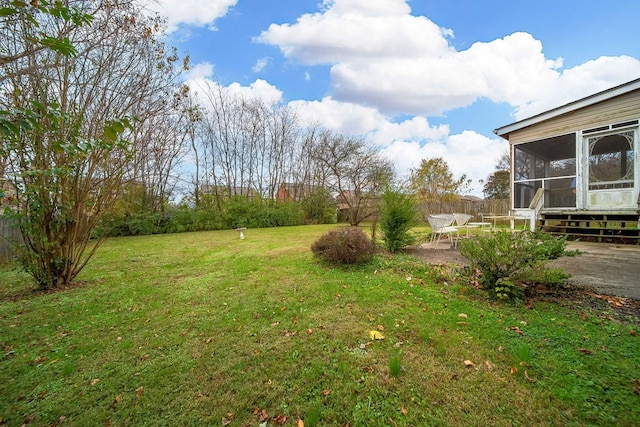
(417, 78)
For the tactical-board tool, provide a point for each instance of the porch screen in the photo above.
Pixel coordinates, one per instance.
(611, 160)
(550, 164)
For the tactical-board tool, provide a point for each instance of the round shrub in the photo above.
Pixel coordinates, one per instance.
(346, 245)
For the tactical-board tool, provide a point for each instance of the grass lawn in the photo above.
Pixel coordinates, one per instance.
(203, 329)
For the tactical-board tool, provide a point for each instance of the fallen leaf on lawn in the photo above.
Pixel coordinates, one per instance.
(632, 332)
(488, 365)
(403, 410)
(309, 331)
(117, 399)
(95, 381)
(524, 364)
(380, 328)
(139, 392)
(279, 420)
(227, 419)
(585, 351)
(39, 360)
(583, 315)
(208, 341)
(290, 334)
(283, 308)
(300, 423)
(263, 416)
(516, 329)
(469, 363)
(513, 370)
(464, 316)
(393, 422)
(326, 392)
(375, 335)
(500, 349)
(526, 375)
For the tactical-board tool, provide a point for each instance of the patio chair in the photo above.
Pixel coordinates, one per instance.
(462, 221)
(442, 224)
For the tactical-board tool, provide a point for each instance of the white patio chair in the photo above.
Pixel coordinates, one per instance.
(442, 224)
(462, 221)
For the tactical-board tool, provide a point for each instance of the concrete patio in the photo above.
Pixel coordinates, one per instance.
(610, 269)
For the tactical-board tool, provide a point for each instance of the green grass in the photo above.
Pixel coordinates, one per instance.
(189, 328)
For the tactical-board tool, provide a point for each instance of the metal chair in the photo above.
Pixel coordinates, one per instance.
(442, 224)
(462, 221)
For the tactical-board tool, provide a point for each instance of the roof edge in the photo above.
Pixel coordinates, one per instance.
(570, 107)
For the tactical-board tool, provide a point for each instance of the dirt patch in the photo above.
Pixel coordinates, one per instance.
(438, 256)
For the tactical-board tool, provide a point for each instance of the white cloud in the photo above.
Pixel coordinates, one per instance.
(190, 12)
(260, 89)
(384, 57)
(351, 29)
(466, 153)
(360, 120)
(261, 64)
(580, 81)
(200, 80)
(199, 72)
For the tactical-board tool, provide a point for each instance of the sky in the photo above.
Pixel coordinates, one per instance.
(418, 79)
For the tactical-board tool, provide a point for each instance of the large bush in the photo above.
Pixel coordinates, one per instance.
(242, 212)
(505, 260)
(398, 214)
(346, 245)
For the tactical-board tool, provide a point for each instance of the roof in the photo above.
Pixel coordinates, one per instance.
(596, 98)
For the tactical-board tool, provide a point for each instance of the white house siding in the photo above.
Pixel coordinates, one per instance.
(619, 109)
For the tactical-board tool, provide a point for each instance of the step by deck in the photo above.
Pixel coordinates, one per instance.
(600, 227)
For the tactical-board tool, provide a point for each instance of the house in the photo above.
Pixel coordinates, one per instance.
(294, 192)
(8, 193)
(226, 192)
(574, 166)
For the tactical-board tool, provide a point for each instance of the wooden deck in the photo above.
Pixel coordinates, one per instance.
(591, 226)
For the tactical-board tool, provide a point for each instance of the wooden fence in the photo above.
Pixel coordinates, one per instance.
(470, 207)
(8, 233)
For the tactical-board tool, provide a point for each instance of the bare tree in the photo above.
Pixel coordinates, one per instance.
(355, 172)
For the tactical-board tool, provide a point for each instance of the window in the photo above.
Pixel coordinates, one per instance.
(611, 161)
(549, 164)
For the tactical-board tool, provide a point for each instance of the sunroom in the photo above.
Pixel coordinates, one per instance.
(574, 168)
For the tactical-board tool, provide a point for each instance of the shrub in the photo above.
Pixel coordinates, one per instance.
(398, 214)
(242, 212)
(508, 259)
(319, 207)
(347, 245)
